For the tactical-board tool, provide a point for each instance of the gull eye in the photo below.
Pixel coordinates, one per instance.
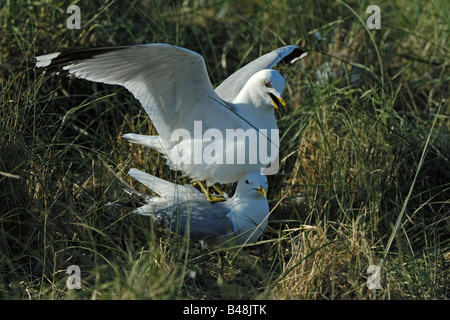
(267, 84)
(247, 182)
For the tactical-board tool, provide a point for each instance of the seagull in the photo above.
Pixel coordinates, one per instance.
(184, 210)
(209, 135)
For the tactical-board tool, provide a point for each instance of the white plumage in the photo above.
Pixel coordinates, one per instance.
(184, 210)
(173, 86)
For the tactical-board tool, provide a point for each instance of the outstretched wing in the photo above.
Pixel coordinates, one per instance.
(230, 87)
(171, 83)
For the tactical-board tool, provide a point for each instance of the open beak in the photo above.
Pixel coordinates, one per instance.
(277, 101)
(262, 191)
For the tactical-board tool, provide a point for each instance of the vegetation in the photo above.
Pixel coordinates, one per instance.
(365, 162)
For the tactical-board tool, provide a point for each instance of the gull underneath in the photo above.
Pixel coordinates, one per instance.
(173, 86)
(184, 210)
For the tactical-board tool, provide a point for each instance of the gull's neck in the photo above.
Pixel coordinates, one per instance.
(239, 197)
(252, 107)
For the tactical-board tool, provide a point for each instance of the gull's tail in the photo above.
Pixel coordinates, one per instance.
(136, 200)
(153, 142)
(165, 189)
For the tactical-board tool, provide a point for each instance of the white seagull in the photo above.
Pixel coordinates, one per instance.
(192, 119)
(184, 210)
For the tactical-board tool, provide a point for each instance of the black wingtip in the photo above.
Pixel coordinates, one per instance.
(69, 57)
(296, 54)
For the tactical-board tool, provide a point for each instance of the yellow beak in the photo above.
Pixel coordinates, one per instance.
(262, 191)
(277, 101)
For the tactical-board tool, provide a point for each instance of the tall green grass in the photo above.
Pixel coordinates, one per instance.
(365, 162)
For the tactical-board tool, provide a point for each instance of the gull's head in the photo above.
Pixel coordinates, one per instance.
(265, 88)
(252, 186)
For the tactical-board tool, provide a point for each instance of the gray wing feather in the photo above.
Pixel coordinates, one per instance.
(202, 219)
(230, 87)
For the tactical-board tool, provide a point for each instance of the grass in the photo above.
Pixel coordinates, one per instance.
(364, 173)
